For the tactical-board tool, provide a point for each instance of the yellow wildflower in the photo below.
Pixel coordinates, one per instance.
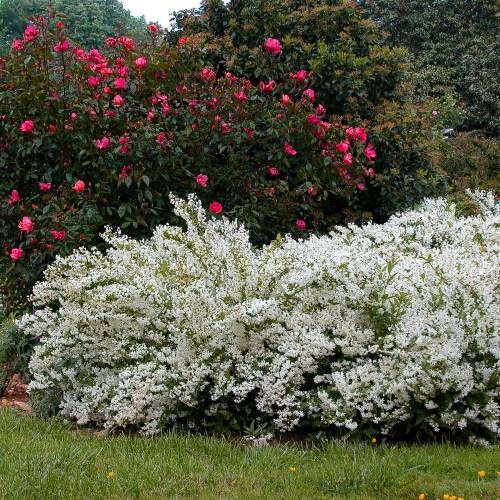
(421, 496)
(292, 469)
(374, 440)
(482, 474)
(110, 475)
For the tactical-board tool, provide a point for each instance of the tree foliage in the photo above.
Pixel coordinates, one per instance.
(89, 22)
(455, 48)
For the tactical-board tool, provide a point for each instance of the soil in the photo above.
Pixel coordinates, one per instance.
(15, 395)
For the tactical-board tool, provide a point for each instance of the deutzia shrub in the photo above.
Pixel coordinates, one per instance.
(389, 328)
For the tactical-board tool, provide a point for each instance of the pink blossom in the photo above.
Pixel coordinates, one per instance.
(361, 186)
(127, 42)
(240, 96)
(311, 190)
(285, 100)
(313, 119)
(93, 81)
(267, 87)
(300, 224)
(370, 172)
(102, 143)
(73, 116)
(18, 45)
(141, 63)
(16, 253)
(370, 152)
(152, 28)
(273, 171)
(289, 149)
(52, 128)
(225, 127)
(358, 133)
(342, 147)
(273, 46)
(347, 159)
(27, 126)
(207, 74)
(202, 180)
(25, 225)
(120, 83)
(61, 46)
(58, 235)
(309, 94)
(45, 186)
(215, 207)
(124, 172)
(79, 186)
(13, 197)
(299, 76)
(118, 101)
(31, 32)
(182, 41)
(320, 109)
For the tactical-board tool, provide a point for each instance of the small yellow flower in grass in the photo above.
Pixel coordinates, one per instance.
(110, 475)
(453, 497)
(292, 469)
(498, 472)
(374, 440)
(446, 497)
(482, 474)
(421, 496)
(460, 498)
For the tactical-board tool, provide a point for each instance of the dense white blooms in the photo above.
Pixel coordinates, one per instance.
(381, 325)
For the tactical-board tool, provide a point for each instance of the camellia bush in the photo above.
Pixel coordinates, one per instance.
(94, 137)
(389, 329)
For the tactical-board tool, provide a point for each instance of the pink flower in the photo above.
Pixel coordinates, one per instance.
(207, 74)
(361, 186)
(320, 109)
(31, 32)
(52, 128)
(311, 190)
(124, 172)
(240, 96)
(358, 133)
(267, 87)
(58, 235)
(342, 147)
(369, 172)
(300, 224)
(215, 207)
(25, 225)
(119, 83)
(45, 186)
(118, 101)
(347, 159)
(27, 126)
(285, 100)
(127, 42)
(61, 46)
(201, 180)
(152, 28)
(79, 186)
(102, 143)
(224, 128)
(309, 94)
(273, 46)
(13, 197)
(141, 63)
(313, 119)
(93, 81)
(370, 152)
(16, 253)
(182, 41)
(300, 76)
(18, 45)
(289, 150)
(273, 171)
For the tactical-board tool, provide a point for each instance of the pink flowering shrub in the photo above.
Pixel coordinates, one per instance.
(98, 137)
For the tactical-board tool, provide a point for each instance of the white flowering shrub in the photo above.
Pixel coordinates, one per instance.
(389, 328)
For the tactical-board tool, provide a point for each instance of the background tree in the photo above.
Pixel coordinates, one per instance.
(455, 48)
(89, 22)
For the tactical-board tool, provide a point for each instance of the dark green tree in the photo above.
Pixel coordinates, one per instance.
(89, 22)
(455, 46)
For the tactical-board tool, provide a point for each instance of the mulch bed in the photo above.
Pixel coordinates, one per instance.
(15, 394)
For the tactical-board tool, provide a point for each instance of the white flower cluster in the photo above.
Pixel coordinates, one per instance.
(381, 327)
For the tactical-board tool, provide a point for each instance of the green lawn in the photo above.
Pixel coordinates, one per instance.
(51, 460)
